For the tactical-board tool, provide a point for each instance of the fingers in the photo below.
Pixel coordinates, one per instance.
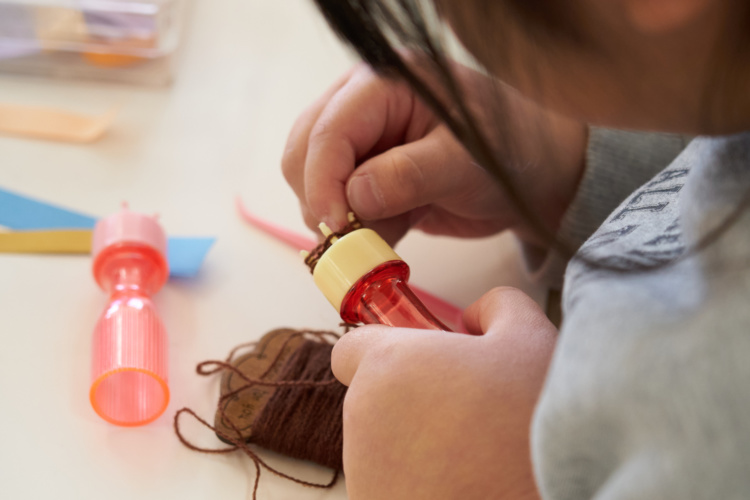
(413, 175)
(359, 116)
(387, 350)
(295, 151)
(365, 115)
(501, 305)
(403, 161)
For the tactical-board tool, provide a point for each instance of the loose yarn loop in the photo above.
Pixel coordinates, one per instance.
(301, 414)
(312, 259)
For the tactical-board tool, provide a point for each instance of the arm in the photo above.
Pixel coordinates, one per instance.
(647, 394)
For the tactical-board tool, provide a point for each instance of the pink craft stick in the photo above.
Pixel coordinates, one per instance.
(291, 238)
(449, 313)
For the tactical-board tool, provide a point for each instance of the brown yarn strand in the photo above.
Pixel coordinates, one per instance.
(302, 419)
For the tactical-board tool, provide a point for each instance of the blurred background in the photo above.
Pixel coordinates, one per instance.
(205, 92)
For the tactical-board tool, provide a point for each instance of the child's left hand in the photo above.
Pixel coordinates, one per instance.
(443, 415)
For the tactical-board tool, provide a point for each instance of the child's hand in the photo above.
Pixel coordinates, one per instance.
(443, 415)
(411, 171)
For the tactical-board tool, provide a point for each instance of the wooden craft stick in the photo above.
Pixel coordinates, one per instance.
(53, 124)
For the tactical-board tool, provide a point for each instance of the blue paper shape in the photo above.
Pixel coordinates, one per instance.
(21, 212)
(184, 254)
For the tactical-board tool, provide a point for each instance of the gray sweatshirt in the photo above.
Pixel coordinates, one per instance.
(648, 394)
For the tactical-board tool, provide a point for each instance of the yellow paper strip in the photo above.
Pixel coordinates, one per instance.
(74, 241)
(53, 124)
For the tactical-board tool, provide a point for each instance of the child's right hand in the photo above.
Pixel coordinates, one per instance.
(370, 145)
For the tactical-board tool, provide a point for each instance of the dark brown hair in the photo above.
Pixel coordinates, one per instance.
(382, 31)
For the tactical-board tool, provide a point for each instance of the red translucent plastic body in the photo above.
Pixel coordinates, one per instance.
(129, 349)
(383, 296)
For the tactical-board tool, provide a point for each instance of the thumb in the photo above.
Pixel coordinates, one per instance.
(411, 176)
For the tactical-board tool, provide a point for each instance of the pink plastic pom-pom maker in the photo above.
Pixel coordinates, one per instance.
(129, 348)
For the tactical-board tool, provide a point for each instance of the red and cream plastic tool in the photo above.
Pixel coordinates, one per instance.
(448, 313)
(129, 349)
(366, 281)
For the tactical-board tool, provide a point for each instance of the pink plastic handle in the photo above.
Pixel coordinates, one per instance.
(282, 234)
(449, 313)
(129, 363)
(129, 352)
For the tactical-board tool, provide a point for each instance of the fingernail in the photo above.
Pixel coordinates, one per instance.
(364, 197)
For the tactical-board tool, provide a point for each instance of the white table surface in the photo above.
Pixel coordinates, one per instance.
(248, 68)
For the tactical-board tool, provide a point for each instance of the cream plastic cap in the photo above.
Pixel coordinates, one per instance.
(347, 260)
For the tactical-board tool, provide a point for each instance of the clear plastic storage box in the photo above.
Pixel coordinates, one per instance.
(132, 41)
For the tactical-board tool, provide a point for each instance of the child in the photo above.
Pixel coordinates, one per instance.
(646, 393)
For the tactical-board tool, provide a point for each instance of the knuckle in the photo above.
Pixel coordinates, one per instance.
(509, 294)
(507, 297)
(290, 166)
(307, 216)
(511, 304)
(361, 70)
(293, 158)
(320, 131)
(507, 291)
(364, 74)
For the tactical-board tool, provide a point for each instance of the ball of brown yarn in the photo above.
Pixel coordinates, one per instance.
(281, 396)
